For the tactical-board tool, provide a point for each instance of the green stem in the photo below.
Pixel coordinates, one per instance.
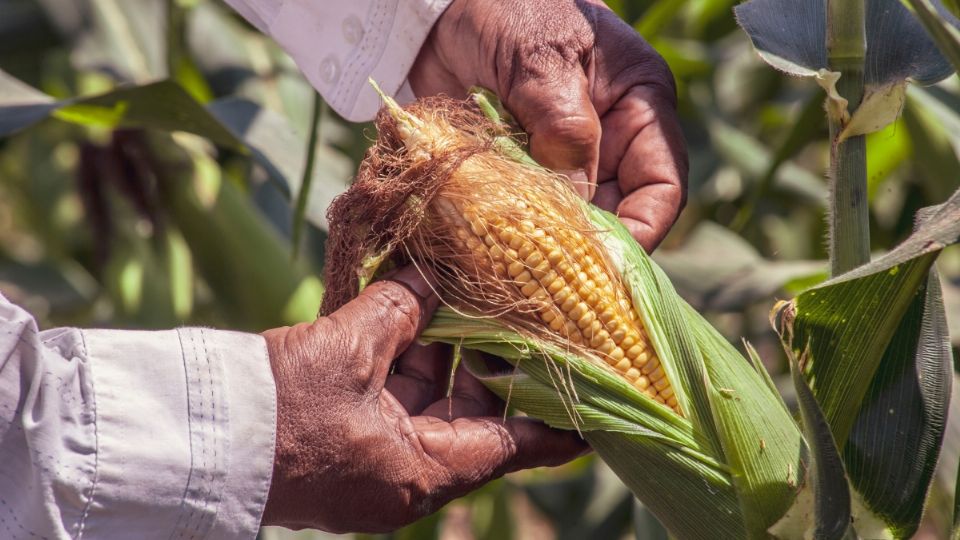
(299, 215)
(849, 212)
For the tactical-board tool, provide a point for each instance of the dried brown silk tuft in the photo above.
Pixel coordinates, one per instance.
(505, 239)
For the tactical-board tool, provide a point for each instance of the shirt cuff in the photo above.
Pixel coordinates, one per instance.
(185, 423)
(339, 45)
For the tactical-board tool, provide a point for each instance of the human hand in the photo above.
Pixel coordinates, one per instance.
(362, 450)
(598, 103)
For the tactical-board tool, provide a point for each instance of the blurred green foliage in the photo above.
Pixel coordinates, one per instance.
(182, 213)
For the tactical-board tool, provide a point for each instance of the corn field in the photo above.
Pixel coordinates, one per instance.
(162, 164)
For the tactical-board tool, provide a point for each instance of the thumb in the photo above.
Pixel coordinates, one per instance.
(553, 106)
(386, 317)
(473, 451)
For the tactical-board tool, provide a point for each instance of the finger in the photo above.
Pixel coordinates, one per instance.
(474, 451)
(420, 376)
(643, 148)
(608, 195)
(469, 397)
(550, 97)
(380, 323)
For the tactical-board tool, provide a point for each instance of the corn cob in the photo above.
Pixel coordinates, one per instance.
(505, 239)
(558, 274)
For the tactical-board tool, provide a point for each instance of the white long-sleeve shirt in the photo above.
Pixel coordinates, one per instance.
(339, 44)
(127, 434)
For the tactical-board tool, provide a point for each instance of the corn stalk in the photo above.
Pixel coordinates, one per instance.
(849, 211)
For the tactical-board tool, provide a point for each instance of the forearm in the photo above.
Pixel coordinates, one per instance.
(108, 434)
(339, 44)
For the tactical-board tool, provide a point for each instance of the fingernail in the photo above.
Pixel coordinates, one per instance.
(580, 181)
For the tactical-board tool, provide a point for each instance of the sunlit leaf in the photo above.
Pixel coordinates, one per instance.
(242, 258)
(281, 152)
(887, 149)
(847, 322)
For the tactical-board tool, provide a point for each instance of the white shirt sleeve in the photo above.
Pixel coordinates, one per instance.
(127, 434)
(339, 44)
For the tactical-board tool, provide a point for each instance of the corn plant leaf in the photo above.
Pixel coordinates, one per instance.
(823, 507)
(161, 105)
(233, 123)
(877, 359)
(21, 105)
(942, 26)
(282, 153)
(791, 36)
(831, 494)
(904, 412)
(895, 442)
(240, 255)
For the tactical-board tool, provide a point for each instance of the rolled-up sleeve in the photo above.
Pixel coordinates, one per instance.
(339, 44)
(130, 434)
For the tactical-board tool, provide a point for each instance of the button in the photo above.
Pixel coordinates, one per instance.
(329, 70)
(352, 29)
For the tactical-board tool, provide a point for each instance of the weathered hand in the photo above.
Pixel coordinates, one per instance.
(597, 101)
(360, 449)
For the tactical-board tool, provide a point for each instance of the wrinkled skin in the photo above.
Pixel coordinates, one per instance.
(361, 448)
(365, 450)
(597, 101)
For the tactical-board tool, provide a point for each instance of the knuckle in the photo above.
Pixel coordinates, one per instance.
(548, 41)
(660, 76)
(682, 203)
(398, 308)
(573, 129)
(650, 70)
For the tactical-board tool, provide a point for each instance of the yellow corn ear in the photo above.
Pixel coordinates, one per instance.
(559, 275)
